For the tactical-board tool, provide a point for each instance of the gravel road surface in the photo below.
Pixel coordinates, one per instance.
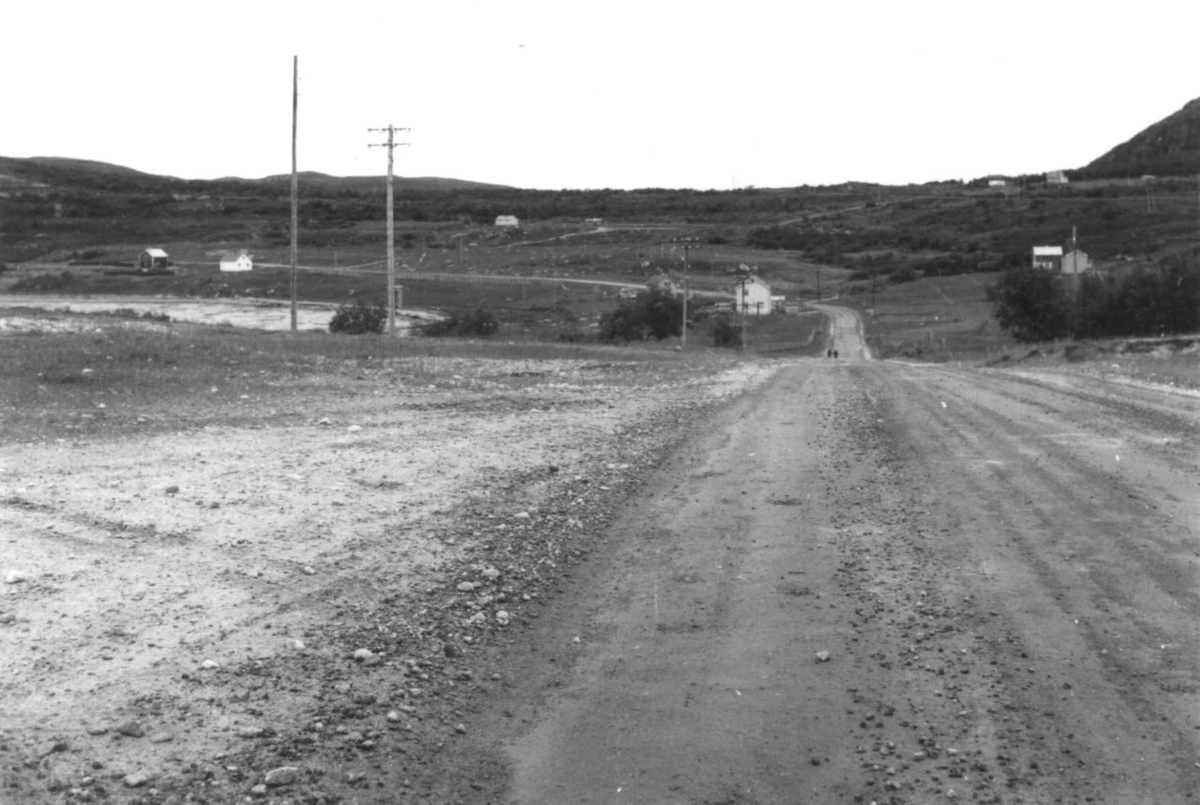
(875, 582)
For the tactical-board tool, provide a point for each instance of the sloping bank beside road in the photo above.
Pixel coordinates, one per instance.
(300, 589)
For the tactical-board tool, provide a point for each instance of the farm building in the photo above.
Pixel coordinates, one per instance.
(153, 260)
(752, 295)
(593, 221)
(237, 262)
(1076, 261)
(996, 183)
(507, 220)
(1056, 177)
(1048, 257)
(663, 283)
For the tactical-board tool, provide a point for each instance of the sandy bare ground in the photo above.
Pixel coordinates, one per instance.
(257, 314)
(181, 609)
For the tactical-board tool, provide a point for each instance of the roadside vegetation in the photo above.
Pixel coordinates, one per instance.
(1036, 305)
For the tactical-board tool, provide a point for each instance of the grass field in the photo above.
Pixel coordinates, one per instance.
(112, 376)
(939, 319)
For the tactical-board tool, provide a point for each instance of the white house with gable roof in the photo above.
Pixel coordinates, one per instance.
(752, 295)
(239, 262)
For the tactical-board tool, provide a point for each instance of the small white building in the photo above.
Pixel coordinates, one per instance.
(507, 220)
(593, 221)
(1056, 177)
(752, 295)
(153, 260)
(237, 262)
(1076, 261)
(996, 183)
(1048, 257)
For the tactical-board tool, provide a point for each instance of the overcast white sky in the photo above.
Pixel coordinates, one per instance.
(622, 94)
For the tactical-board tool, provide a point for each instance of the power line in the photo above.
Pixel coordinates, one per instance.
(390, 145)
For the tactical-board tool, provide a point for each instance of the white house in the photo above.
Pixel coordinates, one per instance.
(996, 183)
(507, 220)
(1076, 261)
(239, 262)
(752, 295)
(153, 260)
(1049, 257)
(1056, 177)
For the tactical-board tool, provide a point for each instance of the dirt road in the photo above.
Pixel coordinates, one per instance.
(875, 582)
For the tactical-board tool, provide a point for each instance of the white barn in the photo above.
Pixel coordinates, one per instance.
(239, 262)
(507, 220)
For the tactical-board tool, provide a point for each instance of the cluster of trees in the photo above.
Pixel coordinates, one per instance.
(1035, 305)
(654, 314)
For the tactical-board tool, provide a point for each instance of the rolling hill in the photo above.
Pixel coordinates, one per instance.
(1170, 147)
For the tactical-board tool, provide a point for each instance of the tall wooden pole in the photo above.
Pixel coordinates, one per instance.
(683, 329)
(295, 193)
(391, 241)
(391, 228)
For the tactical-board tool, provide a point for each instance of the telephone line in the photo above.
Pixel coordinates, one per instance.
(390, 145)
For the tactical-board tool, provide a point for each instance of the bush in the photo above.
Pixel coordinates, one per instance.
(725, 333)
(1031, 304)
(44, 282)
(655, 315)
(359, 318)
(479, 323)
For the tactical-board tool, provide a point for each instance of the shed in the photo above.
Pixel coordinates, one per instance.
(153, 260)
(1049, 257)
(237, 262)
(507, 220)
(752, 295)
(1056, 177)
(1076, 261)
(996, 183)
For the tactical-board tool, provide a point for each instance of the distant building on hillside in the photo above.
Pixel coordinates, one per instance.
(237, 262)
(153, 260)
(1048, 257)
(663, 283)
(1076, 261)
(996, 183)
(507, 220)
(1056, 177)
(593, 221)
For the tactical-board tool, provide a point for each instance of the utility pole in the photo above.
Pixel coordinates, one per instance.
(683, 329)
(391, 228)
(742, 278)
(295, 189)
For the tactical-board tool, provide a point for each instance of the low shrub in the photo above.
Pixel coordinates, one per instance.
(479, 323)
(359, 318)
(725, 333)
(44, 282)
